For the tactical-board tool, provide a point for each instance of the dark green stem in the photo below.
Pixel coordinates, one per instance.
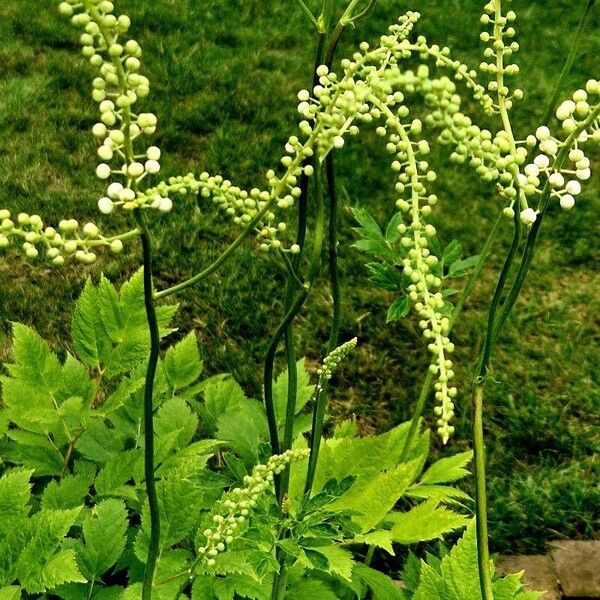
(154, 543)
(483, 553)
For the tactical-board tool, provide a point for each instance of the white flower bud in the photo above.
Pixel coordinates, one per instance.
(166, 204)
(116, 246)
(105, 205)
(567, 202)
(542, 133)
(99, 130)
(135, 170)
(528, 216)
(338, 142)
(573, 187)
(105, 152)
(103, 171)
(153, 153)
(152, 166)
(556, 180)
(114, 190)
(90, 230)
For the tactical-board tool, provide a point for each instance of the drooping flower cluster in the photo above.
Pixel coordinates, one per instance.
(240, 502)
(117, 90)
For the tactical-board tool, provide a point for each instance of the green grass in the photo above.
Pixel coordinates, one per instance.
(224, 77)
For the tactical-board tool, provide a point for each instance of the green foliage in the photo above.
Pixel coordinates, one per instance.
(456, 576)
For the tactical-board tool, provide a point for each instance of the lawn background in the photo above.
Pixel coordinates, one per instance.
(224, 76)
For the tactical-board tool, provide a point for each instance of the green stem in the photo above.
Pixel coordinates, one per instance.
(308, 13)
(483, 553)
(218, 262)
(268, 373)
(154, 543)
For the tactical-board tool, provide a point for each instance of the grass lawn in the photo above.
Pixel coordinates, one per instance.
(224, 78)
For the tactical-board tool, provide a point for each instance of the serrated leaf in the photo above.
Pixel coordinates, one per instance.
(448, 470)
(104, 533)
(392, 234)
(117, 472)
(452, 252)
(176, 415)
(34, 451)
(459, 568)
(458, 267)
(14, 496)
(340, 560)
(439, 493)
(90, 339)
(69, 492)
(12, 592)
(110, 310)
(399, 309)
(374, 495)
(304, 391)
(243, 429)
(382, 586)
(427, 521)
(36, 568)
(182, 363)
(379, 538)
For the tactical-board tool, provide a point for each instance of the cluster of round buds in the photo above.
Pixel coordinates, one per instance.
(117, 89)
(332, 361)
(56, 245)
(580, 122)
(240, 501)
(501, 47)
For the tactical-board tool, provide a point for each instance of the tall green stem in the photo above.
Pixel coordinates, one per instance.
(483, 553)
(154, 543)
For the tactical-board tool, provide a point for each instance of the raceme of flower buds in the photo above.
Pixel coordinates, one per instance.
(239, 503)
(69, 240)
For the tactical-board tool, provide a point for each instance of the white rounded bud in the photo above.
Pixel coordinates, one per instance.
(528, 216)
(166, 204)
(105, 205)
(152, 166)
(567, 202)
(153, 153)
(103, 171)
(114, 190)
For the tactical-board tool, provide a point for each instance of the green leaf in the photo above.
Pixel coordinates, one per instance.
(12, 592)
(374, 495)
(104, 533)
(392, 234)
(90, 339)
(304, 391)
(452, 252)
(427, 521)
(380, 538)
(399, 309)
(69, 492)
(459, 568)
(110, 310)
(340, 561)
(34, 451)
(118, 471)
(14, 497)
(39, 567)
(447, 470)
(439, 493)
(176, 416)
(386, 277)
(382, 586)
(243, 429)
(458, 267)
(183, 365)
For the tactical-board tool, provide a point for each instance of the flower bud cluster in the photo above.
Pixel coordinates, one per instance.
(240, 501)
(501, 47)
(559, 164)
(332, 361)
(56, 245)
(425, 287)
(117, 90)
